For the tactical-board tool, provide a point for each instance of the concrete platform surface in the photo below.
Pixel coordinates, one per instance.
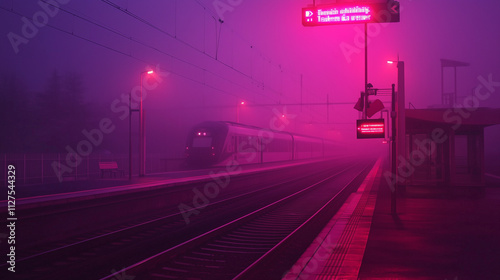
(438, 233)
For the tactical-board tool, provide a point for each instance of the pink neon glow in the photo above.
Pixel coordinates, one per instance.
(338, 15)
(390, 61)
(242, 103)
(343, 13)
(150, 72)
(370, 128)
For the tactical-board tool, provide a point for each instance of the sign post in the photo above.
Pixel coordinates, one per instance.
(363, 12)
(351, 13)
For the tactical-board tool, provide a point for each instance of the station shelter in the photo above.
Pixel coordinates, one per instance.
(452, 142)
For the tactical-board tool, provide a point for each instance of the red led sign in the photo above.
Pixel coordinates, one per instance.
(346, 13)
(370, 128)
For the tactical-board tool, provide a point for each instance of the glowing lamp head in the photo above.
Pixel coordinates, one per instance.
(390, 62)
(242, 102)
(150, 72)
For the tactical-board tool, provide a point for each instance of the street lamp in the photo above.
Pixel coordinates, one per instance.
(142, 139)
(398, 126)
(142, 146)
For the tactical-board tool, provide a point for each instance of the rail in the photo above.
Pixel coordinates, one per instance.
(210, 247)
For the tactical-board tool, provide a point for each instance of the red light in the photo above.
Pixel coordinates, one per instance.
(371, 128)
(204, 134)
(199, 133)
(150, 72)
(242, 102)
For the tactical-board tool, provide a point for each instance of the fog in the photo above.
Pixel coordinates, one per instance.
(208, 56)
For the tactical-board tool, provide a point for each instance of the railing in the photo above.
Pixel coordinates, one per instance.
(33, 169)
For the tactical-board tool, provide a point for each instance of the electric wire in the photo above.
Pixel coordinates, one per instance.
(144, 21)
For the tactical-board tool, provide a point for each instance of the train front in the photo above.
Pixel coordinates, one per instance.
(204, 144)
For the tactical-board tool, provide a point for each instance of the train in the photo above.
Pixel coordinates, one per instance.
(218, 142)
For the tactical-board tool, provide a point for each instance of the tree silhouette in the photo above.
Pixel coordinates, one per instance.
(14, 113)
(60, 113)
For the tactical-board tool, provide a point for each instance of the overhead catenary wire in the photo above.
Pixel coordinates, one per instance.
(146, 22)
(141, 43)
(218, 22)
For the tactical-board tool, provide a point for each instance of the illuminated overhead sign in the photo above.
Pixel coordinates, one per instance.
(346, 13)
(370, 128)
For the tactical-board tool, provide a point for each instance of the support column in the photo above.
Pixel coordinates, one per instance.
(400, 114)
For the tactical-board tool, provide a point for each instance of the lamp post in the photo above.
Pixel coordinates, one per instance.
(398, 127)
(130, 110)
(142, 146)
(142, 135)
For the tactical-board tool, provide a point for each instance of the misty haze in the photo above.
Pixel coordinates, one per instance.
(238, 139)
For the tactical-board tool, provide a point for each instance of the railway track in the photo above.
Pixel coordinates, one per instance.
(243, 248)
(132, 242)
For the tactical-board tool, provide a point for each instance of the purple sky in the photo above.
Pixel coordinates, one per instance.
(263, 50)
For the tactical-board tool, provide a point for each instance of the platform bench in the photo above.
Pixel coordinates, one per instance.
(110, 167)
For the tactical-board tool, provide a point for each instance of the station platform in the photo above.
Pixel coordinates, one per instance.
(49, 194)
(438, 233)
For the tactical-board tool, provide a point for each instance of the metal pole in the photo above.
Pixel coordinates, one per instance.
(42, 166)
(140, 133)
(366, 72)
(130, 136)
(393, 146)
(143, 142)
(401, 117)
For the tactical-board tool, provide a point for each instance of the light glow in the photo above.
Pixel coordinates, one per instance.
(343, 13)
(369, 128)
(390, 61)
(150, 72)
